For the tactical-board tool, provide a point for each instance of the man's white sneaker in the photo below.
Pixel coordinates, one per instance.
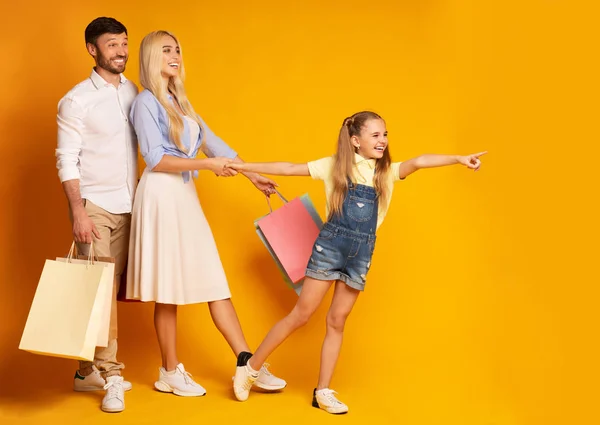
(114, 400)
(93, 382)
(244, 377)
(325, 399)
(179, 383)
(267, 381)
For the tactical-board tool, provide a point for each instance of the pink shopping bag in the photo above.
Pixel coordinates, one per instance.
(290, 233)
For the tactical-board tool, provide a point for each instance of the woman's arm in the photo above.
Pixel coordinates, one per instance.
(173, 164)
(145, 119)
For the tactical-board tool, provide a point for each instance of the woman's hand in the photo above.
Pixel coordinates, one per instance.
(264, 184)
(218, 165)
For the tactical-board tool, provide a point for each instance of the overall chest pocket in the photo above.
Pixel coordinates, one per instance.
(360, 209)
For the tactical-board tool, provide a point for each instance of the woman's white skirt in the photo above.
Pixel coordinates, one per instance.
(173, 257)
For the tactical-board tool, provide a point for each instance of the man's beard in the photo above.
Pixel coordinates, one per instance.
(106, 64)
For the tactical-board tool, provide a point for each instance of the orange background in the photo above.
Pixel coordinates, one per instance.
(481, 303)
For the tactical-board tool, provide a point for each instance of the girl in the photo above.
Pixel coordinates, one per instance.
(173, 258)
(359, 181)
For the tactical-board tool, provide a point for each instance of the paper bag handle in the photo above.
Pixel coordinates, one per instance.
(285, 201)
(73, 250)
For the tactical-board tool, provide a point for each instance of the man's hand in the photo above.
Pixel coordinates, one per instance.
(83, 228)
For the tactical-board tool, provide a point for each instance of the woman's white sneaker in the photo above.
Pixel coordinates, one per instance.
(325, 399)
(178, 382)
(244, 377)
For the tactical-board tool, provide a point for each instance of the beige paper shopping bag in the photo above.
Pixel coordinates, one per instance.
(107, 291)
(66, 312)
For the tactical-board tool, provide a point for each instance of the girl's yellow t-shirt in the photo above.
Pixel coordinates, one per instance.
(364, 173)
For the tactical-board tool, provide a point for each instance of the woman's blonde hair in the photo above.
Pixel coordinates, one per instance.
(151, 62)
(344, 163)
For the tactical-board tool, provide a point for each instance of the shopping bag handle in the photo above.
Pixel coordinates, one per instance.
(91, 253)
(285, 201)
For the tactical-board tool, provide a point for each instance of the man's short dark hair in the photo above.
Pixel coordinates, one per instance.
(101, 26)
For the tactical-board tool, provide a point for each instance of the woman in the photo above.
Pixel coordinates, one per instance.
(173, 258)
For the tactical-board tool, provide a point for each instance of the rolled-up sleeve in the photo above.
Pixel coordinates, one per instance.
(396, 171)
(213, 145)
(321, 168)
(144, 117)
(70, 127)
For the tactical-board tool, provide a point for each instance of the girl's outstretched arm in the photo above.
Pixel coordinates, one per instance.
(434, 160)
(273, 168)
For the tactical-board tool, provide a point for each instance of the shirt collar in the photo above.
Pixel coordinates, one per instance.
(100, 82)
(369, 162)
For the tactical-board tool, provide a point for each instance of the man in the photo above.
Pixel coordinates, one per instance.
(97, 166)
